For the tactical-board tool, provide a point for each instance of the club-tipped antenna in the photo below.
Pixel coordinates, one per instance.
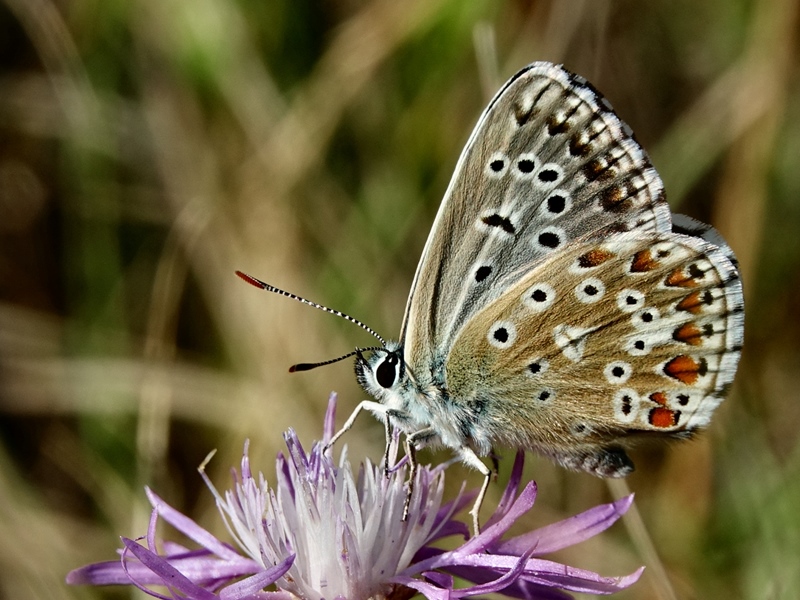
(271, 288)
(309, 366)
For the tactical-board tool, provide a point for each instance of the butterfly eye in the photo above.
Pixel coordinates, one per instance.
(386, 373)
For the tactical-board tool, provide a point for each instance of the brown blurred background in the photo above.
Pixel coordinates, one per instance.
(148, 148)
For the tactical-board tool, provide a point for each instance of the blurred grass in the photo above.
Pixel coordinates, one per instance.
(149, 148)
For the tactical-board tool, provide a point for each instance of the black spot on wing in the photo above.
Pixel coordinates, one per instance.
(504, 223)
(549, 239)
(556, 204)
(497, 165)
(482, 273)
(526, 166)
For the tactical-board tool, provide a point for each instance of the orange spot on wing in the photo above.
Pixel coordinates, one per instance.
(663, 417)
(686, 369)
(615, 198)
(594, 258)
(693, 303)
(688, 333)
(659, 398)
(678, 278)
(643, 261)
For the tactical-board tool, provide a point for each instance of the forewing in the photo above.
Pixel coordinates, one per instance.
(548, 164)
(640, 332)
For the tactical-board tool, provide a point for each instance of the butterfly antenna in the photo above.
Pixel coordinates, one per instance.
(309, 366)
(271, 288)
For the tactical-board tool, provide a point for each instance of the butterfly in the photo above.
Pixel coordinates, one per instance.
(558, 305)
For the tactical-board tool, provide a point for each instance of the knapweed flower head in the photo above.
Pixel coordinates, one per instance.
(323, 532)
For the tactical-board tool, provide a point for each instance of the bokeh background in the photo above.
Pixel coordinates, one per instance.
(148, 148)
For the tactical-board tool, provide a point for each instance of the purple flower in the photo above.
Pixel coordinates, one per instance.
(323, 532)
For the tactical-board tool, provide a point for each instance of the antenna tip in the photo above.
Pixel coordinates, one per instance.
(250, 280)
(301, 367)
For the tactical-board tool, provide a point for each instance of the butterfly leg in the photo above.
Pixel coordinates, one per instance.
(495, 463)
(376, 408)
(391, 416)
(388, 428)
(469, 458)
(414, 441)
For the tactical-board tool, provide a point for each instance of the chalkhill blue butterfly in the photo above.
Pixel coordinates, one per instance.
(558, 305)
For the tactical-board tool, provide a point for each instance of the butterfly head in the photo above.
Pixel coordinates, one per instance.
(382, 371)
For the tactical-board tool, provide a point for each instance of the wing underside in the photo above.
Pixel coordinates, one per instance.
(548, 164)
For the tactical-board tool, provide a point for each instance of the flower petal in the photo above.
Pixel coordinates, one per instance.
(102, 573)
(568, 532)
(189, 528)
(496, 585)
(486, 538)
(430, 591)
(507, 499)
(543, 573)
(169, 575)
(197, 565)
(246, 473)
(279, 595)
(329, 426)
(579, 580)
(257, 582)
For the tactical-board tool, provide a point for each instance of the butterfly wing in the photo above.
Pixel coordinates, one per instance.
(548, 164)
(639, 332)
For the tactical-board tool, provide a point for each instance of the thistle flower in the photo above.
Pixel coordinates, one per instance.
(323, 532)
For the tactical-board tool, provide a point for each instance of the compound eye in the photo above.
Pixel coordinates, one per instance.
(386, 373)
